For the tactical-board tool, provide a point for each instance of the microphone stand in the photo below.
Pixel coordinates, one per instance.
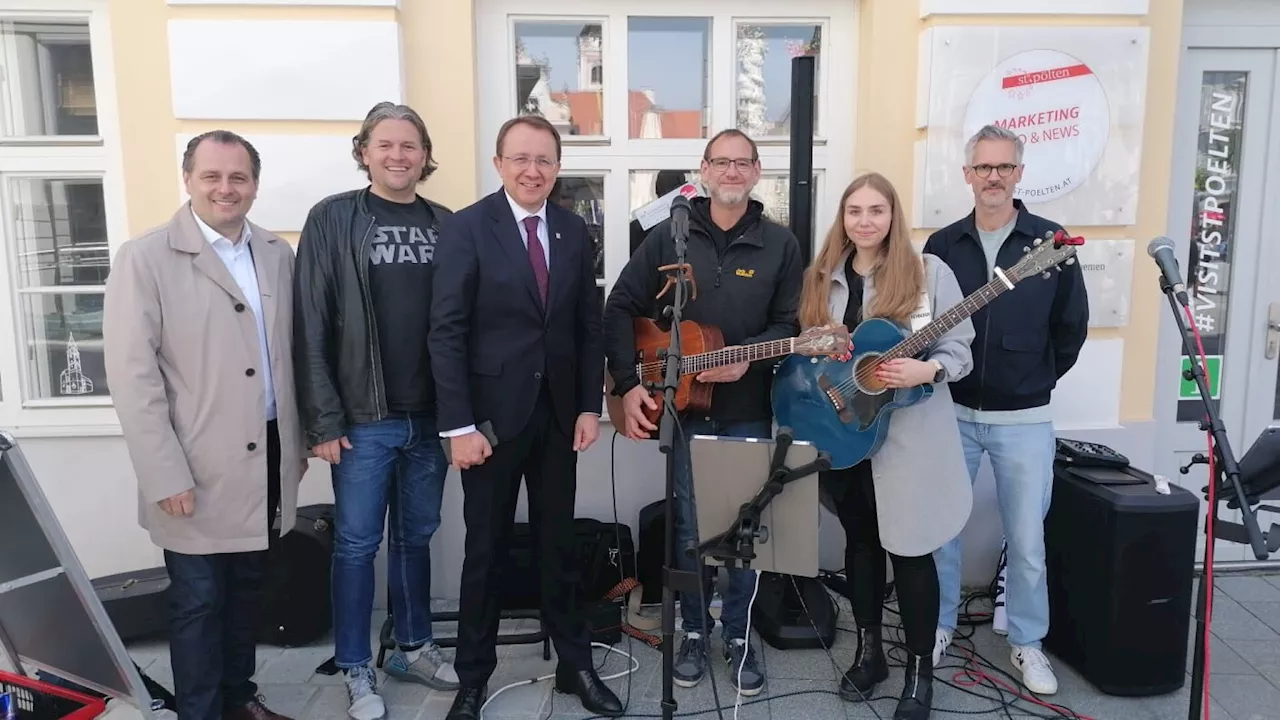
(672, 579)
(1228, 479)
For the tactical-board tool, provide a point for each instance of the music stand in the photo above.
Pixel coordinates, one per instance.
(757, 502)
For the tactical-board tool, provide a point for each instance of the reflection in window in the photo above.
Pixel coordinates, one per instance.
(61, 232)
(61, 247)
(560, 75)
(63, 334)
(584, 196)
(764, 75)
(49, 74)
(667, 76)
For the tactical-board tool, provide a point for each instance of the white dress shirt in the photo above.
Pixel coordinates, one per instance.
(239, 261)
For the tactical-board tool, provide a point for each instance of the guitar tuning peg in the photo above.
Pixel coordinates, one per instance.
(1025, 249)
(1058, 268)
(1037, 241)
(1071, 261)
(1046, 275)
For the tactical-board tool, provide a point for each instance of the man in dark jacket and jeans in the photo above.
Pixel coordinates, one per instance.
(748, 271)
(367, 396)
(1027, 340)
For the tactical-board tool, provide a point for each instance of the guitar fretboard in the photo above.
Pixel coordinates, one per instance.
(729, 356)
(920, 341)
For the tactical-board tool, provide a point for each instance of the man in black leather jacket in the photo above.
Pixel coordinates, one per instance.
(366, 395)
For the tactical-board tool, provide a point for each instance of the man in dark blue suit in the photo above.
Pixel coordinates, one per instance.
(517, 351)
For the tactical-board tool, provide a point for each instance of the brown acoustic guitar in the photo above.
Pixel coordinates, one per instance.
(702, 348)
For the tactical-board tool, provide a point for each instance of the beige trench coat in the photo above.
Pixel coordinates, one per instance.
(923, 491)
(177, 355)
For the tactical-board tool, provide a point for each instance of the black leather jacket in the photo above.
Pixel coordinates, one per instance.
(338, 367)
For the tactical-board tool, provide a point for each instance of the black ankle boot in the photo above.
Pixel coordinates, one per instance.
(869, 667)
(917, 690)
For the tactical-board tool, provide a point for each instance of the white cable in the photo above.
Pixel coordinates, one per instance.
(746, 646)
(635, 665)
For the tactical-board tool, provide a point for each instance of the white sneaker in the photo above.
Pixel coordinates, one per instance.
(1037, 674)
(941, 641)
(362, 687)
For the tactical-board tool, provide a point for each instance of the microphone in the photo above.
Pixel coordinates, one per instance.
(680, 218)
(1161, 250)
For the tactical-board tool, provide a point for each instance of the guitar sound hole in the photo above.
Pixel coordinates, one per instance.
(865, 376)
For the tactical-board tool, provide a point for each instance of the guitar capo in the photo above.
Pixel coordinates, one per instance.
(671, 279)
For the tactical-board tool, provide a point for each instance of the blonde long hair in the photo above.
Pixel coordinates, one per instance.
(898, 273)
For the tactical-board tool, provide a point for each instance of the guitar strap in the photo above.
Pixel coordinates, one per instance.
(923, 313)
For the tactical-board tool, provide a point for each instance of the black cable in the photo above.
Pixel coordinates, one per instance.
(966, 626)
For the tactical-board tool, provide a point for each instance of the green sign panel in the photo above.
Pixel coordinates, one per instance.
(1187, 389)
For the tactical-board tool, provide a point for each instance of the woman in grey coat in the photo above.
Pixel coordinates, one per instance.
(914, 494)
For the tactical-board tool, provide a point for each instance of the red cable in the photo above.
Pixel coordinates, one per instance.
(973, 675)
(1213, 483)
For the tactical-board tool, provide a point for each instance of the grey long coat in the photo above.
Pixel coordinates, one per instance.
(923, 491)
(177, 356)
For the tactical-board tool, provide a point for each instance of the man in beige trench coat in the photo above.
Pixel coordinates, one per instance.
(198, 340)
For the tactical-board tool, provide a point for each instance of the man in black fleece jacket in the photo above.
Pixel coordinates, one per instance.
(748, 271)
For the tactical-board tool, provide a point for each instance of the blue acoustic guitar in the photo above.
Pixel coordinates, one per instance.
(840, 407)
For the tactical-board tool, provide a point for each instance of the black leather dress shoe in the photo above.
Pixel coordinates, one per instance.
(467, 703)
(596, 697)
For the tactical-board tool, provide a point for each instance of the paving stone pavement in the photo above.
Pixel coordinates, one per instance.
(1244, 656)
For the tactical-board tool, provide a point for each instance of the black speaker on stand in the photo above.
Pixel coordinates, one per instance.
(803, 70)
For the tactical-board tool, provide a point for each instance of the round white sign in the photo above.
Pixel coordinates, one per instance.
(1055, 103)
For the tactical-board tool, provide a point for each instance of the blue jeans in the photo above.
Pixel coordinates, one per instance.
(395, 464)
(1022, 462)
(696, 613)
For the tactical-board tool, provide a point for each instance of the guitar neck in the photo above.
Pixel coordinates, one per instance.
(920, 341)
(731, 356)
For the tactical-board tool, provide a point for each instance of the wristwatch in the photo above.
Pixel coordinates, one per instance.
(941, 374)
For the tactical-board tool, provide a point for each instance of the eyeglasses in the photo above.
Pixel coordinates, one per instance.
(1004, 169)
(722, 164)
(522, 161)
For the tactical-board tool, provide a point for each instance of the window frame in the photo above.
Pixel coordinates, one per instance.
(615, 155)
(96, 157)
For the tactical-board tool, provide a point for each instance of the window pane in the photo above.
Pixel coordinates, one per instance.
(1213, 225)
(50, 79)
(667, 74)
(560, 75)
(63, 333)
(774, 192)
(585, 197)
(764, 75)
(61, 232)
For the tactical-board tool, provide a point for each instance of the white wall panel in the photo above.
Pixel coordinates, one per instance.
(1088, 396)
(296, 70)
(297, 172)
(1033, 7)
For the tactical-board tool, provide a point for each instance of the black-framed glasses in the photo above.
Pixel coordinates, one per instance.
(721, 164)
(1003, 169)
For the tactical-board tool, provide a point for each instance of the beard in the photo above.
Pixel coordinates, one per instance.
(729, 197)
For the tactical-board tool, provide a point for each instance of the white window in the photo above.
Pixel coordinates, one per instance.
(61, 212)
(637, 87)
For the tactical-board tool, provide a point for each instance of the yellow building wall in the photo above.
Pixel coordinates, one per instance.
(440, 84)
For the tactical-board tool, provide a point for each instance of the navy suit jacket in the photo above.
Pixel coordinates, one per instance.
(492, 344)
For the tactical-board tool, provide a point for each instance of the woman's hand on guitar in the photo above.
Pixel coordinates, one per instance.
(905, 372)
(637, 426)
